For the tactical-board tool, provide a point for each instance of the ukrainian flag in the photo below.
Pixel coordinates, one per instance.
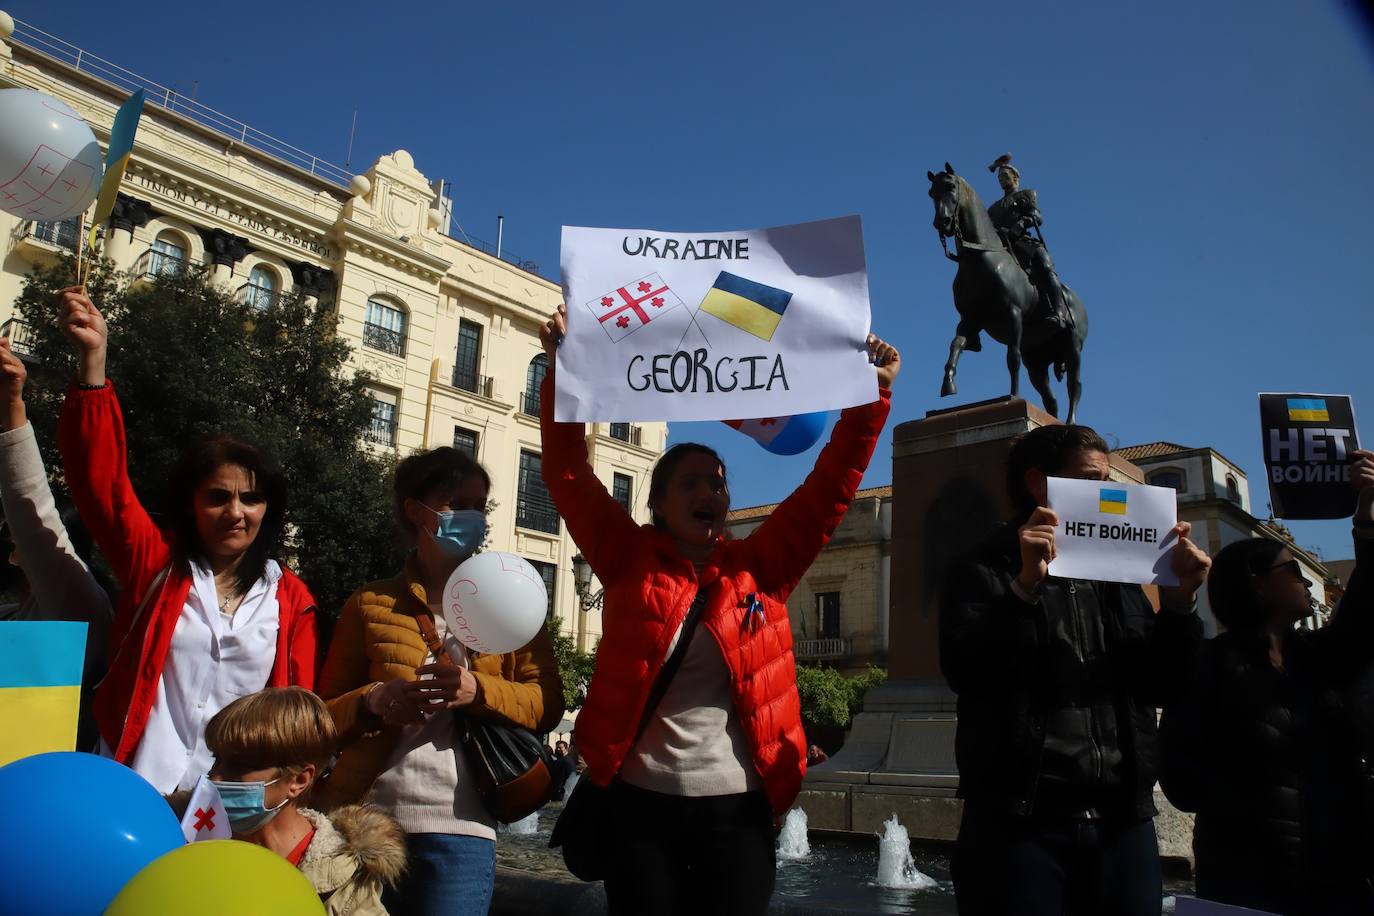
(117, 159)
(1112, 502)
(1307, 409)
(747, 305)
(40, 686)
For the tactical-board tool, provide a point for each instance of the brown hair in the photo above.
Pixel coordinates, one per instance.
(1046, 449)
(285, 728)
(667, 464)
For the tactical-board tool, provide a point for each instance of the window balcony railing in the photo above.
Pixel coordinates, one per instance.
(536, 513)
(627, 433)
(60, 234)
(21, 336)
(529, 403)
(384, 339)
(153, 263)
(261, 298)
(834, 647)
(382, 431)
(472, 381)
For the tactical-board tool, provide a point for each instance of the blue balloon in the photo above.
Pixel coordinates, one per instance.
(80, 827)
(801, 432)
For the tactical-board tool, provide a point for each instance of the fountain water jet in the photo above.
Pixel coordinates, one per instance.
(792, 842)
(896, 867)
(525, 826)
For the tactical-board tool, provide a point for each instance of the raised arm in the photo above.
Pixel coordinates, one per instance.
(59, 580)
(1348, 641)
(786, 545)
(600, 525)
(90, 436)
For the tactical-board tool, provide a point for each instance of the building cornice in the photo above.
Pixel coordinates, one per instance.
(354, 236)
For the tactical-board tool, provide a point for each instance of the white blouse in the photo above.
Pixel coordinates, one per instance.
(214, 659)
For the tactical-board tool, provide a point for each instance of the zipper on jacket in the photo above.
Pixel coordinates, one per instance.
(1079, 640)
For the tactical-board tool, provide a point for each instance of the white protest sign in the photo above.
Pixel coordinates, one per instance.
(1113, 532)
(714, 325)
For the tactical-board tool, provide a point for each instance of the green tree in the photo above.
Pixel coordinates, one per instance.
(188, 360)
(573, 666)
(828, 698)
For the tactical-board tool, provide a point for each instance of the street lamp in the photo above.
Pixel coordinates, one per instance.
(587, 600)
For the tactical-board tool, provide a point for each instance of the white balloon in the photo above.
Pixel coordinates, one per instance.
(495, 602)
(50, 164)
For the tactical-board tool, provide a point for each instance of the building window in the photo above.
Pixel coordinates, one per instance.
(1232, 489)
(549, 573)
(469, 352)
(620, 431)
(261, 290)
(383, 428)
(385, 328)
(168, 255)
(61, 233)
(1169, 477)
(828, 615)
(621, 485)
(533, 506)
(465, 440)
(534, 378)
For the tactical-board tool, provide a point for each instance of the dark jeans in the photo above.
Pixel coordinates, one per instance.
(1045, 866)
(673, 855)
(446, 875)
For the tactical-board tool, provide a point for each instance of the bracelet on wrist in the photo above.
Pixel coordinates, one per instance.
(84, 387)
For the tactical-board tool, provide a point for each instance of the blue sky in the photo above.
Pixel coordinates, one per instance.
(1202, 167)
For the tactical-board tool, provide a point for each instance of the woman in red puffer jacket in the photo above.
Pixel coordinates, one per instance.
(694, 797)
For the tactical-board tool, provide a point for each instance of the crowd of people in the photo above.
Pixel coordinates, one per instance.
(349, 762)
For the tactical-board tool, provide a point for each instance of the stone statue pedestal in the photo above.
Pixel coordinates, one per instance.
(948, 494)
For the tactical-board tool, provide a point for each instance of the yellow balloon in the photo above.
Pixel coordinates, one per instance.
(218, 878)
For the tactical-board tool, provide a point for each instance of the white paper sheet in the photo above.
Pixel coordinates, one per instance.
(714, 325)
(1113, 532)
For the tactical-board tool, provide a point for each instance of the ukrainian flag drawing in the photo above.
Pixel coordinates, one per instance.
(747, 305)
(1112, 502)
(1307, 409)
(40, 686)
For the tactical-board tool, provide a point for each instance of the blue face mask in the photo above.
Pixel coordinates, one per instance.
(460, 531)
(243, 802)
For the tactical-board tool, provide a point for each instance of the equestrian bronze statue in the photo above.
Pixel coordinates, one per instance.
(1006, 285)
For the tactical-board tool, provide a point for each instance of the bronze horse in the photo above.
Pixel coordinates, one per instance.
(992, 293)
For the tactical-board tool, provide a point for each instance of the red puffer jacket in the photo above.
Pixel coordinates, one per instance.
(649, 587)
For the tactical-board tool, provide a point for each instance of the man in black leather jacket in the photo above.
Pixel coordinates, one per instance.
(1058, 681)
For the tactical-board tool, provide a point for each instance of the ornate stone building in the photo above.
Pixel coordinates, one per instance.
(446, 328)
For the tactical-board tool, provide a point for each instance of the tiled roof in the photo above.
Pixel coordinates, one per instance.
(752, 512)
(1150, 450)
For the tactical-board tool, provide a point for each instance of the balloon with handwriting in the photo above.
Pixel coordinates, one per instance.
(50, 163)
(495, 602)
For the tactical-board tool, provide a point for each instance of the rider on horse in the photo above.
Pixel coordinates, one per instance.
(1017, 218)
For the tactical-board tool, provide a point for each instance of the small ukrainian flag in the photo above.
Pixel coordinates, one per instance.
(40, 686)
(1112, 502)
(747, 305)
(1308, 409)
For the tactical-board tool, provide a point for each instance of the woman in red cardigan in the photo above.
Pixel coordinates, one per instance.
(205, 614)
(694, 797)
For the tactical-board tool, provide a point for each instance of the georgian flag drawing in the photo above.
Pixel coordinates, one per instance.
(625, 310)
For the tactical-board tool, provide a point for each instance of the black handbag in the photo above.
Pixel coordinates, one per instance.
(514, 773)
(583, 829)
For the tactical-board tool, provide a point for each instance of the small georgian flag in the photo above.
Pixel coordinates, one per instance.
(205, 817)
(625, 310)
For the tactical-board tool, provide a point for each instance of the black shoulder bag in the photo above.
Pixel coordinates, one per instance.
(582, 828)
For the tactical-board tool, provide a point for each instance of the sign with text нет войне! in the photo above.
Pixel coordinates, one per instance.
(1308, 439)
(1113, 532)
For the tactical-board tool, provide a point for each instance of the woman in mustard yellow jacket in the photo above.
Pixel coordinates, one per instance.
(391, 701)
